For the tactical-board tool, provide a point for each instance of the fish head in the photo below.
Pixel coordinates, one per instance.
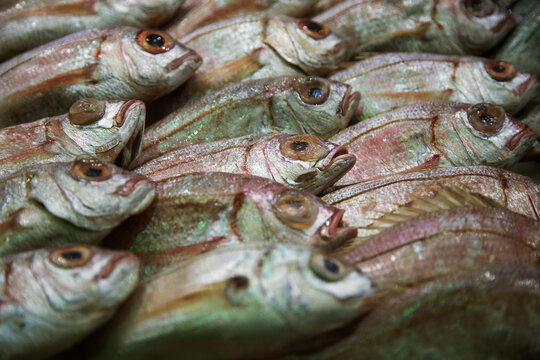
(321, 106)
(306, 162)
(491, 136)
(307, 44)
(153, 60)
(81, 277)
(91, 194)
(107, 129)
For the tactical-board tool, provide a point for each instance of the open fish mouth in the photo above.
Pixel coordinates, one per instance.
(334, 233)
(349, 102)
(527, 132)
(132, 150)
(191, 56)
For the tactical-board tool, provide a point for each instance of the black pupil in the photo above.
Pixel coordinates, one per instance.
(331, 266)
(155, 40)
(312, 26)
(315, 92)
(72, 255)
(93, 172)
(486, 119)
(499, 68)
(299, 145)
(476, 5)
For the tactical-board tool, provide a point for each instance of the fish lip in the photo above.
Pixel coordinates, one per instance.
(349, 98)
(120, 117)
(132, 184)
(334, 234)
(176, 63)
(517, 138)
(522, 88)
(338, 153)
(507, 20)
(123, 256)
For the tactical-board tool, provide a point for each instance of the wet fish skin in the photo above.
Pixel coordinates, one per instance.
(431, 135)
(391, 80)
(445, 27)
(53, 298)
(115, 134)
(62, 203)
(290, 104)
(215, 300)
(107, 63)
(368, 201)
(299, 161)
(28, 24)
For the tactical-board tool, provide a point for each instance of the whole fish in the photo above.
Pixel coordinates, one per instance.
(27, 24)
(368, 202)
(431, 135)
(195, 14)
(218, 305)
(62, 203)
(290, 104)
(51, 299)
(302, 162)
(443, 242)
(440, 26)
(110, 63)
(194, 213)
(104, 129)
(388, 81)
(490, 313)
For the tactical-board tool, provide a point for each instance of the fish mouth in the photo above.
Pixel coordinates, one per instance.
(131, 150)
(522, 88)
(337, 154)
(508, 20)
(125, 109)
(115, 262)
(132, 184)
(334, 233)
(350, 101)
(527, 132)
(189, 56)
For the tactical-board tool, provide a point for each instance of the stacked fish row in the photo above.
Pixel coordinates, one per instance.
(269, 212)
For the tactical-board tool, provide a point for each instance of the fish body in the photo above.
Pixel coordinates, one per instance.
(115, 131)
(51, 299)
(431, 135)
(299, 161)
(62, 203)
(28, 24)
(121, 63)
(367, 202)
(208, 307)
(290, 104)
(391, 80)
(445, 27)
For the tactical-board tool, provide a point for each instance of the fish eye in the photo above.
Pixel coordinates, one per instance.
(486, 118)
(500, 70)
(295, 209)
(86, 111)
(328, 267)
(155, 41)
(91, 170)
(314, 29)
(314, 91)
(303, 147)
(71, 257)
(480, 8)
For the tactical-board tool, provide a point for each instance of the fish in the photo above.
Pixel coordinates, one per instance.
(439, 26)
(290, 104)
(370, 206)
(56, 204)
(442, 242)
(432, 135)
(489, 313)
(50, 299)
(216, 305)
(388, 81)
(195, 14)
(198, 212)
(28, 24)
(302, 162)
(122, 63)
(104, 129)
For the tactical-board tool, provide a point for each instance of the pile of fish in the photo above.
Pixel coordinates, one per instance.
(269, 179)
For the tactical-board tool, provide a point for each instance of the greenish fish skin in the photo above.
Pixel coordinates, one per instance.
(492, 312)
(194, 213)
(101, 63)
(366, 202)
(62, 203)
(439, 26)
(28, 24)
(116, 135)
(289, 104)
(388, 81)
(302, 162)
(208, 307)
(432, 135)
(49, 300)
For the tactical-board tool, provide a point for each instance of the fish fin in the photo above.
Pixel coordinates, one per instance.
(417, 96)
(233, 71)
(81, 8)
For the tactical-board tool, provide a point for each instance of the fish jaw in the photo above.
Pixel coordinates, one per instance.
(330, 169)
(333, 233)
(133, 112)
